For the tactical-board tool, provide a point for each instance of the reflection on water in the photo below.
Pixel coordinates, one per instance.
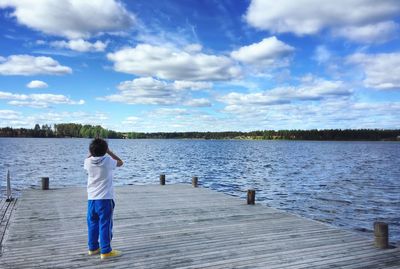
(347, 184)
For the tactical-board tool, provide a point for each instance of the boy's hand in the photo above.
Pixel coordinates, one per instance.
(115, 157)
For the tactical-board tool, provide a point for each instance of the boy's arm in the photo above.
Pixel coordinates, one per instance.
(115, 157)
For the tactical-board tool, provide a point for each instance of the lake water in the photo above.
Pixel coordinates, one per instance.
(346, 184)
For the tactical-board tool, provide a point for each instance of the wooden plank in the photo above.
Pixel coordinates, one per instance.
(3, 208)
(5, 220)
(2, 202)
(178, 226)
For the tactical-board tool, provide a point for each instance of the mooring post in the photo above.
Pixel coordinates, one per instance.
(381, 232)
(9, 195)
(162, 179)
(195, 181)
(251, 197)
(45, 183)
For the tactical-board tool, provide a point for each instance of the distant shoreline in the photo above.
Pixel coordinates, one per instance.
(214, 139)
(67, 130)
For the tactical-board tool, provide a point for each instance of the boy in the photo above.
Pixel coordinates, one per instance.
(100, 198)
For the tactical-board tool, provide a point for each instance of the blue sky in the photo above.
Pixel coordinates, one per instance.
(200, 65)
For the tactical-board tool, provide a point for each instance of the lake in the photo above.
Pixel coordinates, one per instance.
(346, 184)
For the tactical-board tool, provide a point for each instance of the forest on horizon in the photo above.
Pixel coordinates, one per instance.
(90, 131)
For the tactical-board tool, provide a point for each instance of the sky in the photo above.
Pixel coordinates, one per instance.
(200, 65)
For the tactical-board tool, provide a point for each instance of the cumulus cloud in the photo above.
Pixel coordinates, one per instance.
(71, 19)
(311, 16)
(38, 100)
(146, 90)
(381, 70)
(370, 33)
(198, 102)
(173, 64)
(193, 48)
(130, 120)
(9, 114)
(92, 118)
(27, 65)
(330, 113)
(317, 89)
(172, 119)
(192, 85)
(169, 112)
(80, 45)
(37, 84)
(269, 52)
(28, 120)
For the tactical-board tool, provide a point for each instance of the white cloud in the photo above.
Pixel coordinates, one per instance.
(371, 33)
(151, 91)
(172, 119)
(269, 52)
(37, 84)
(131, 120)
(145, 90)
(381, 70)
(314, 90)
(173, 64)
(27, 65)
(148, 84)
(328, 113)
(80, 45)
(9, 95)
(9, 114)
(38, 100)
(71, 18)
(198, 102)
(21, 120)
(191, 48)
(192, 85)
(169, 112)
(303, 17)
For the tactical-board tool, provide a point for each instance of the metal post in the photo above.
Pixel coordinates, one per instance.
(9, 195)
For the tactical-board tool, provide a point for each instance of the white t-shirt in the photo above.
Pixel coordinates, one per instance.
(100, 177)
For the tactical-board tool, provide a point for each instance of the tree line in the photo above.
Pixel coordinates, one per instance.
(91, 131)
(61, 130)
(331, 134)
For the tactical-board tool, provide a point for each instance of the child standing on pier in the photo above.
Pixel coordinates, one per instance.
(100, 198)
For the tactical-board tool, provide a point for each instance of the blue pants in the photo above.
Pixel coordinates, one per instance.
(99, 221)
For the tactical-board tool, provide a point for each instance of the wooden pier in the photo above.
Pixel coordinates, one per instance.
(178, 226)
(6, 209)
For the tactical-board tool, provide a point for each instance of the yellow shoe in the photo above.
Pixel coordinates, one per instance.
(94, 252)
(112, 254)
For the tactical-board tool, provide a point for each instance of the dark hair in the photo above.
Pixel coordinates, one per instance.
(98, 147)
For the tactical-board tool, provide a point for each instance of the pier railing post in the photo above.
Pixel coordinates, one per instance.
(45, 183)
(381, 232)
(9, 195)
(251, 197)
(162, 179)
(195, 181)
